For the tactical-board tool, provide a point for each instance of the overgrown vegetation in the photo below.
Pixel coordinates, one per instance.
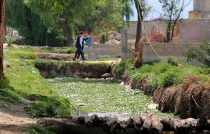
(200, 54)
(163, 73)
(123, 65)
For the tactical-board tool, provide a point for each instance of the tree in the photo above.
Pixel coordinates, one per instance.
(172, 10)
(142, 9)
(2, 28)
(30, 26)
(65, 13)
(87, 15)
(98, 18)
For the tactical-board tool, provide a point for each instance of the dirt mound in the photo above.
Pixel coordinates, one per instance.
(189, 99)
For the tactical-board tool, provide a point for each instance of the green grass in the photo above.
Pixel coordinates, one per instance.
(25, 81)
(44, 49)
(108, 58)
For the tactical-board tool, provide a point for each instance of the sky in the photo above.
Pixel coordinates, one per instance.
(158, 8)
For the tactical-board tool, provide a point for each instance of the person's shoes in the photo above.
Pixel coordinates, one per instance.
(74, 59)
(84, 59)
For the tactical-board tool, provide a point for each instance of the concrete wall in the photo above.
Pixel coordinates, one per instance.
(131, 30)
(110, 50)
(190, 30)
(203, 7)
(194, 30)
(163, 50)
(103, 50)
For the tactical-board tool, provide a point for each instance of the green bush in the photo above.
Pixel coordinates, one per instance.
(171, 77)
(103, 39)
(160, 67)
(172, 60)
(200, 54)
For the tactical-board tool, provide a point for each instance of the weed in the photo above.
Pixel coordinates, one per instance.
(172, 60)
(4, 82)
(160, 67)
(155, 82)
(123, 65)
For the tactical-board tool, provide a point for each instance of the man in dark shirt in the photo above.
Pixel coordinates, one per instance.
(79, 46)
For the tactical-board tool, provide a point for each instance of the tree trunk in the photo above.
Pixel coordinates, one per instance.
(2, 19)
(138, 44)
(168, 31)
(67, 34)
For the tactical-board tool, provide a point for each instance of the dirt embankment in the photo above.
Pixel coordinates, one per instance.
(189, 99)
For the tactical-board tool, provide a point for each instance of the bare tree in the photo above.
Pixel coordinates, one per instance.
(172, 11)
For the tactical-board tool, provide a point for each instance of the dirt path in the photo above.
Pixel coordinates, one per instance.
(13, 118)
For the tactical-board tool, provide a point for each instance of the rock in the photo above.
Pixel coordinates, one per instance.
(105, 75)
(152, 106)
(53, 57)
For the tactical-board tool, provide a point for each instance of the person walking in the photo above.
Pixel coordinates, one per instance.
(83, 48)
(79, 50)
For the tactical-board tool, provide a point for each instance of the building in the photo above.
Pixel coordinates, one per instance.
(201, 9)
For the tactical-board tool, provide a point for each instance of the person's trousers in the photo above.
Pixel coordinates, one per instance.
(77, 52)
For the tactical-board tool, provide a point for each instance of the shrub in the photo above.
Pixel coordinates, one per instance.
(200, 54)
(171, 77)
(172, 60)
(103, 40)
(145, 68)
